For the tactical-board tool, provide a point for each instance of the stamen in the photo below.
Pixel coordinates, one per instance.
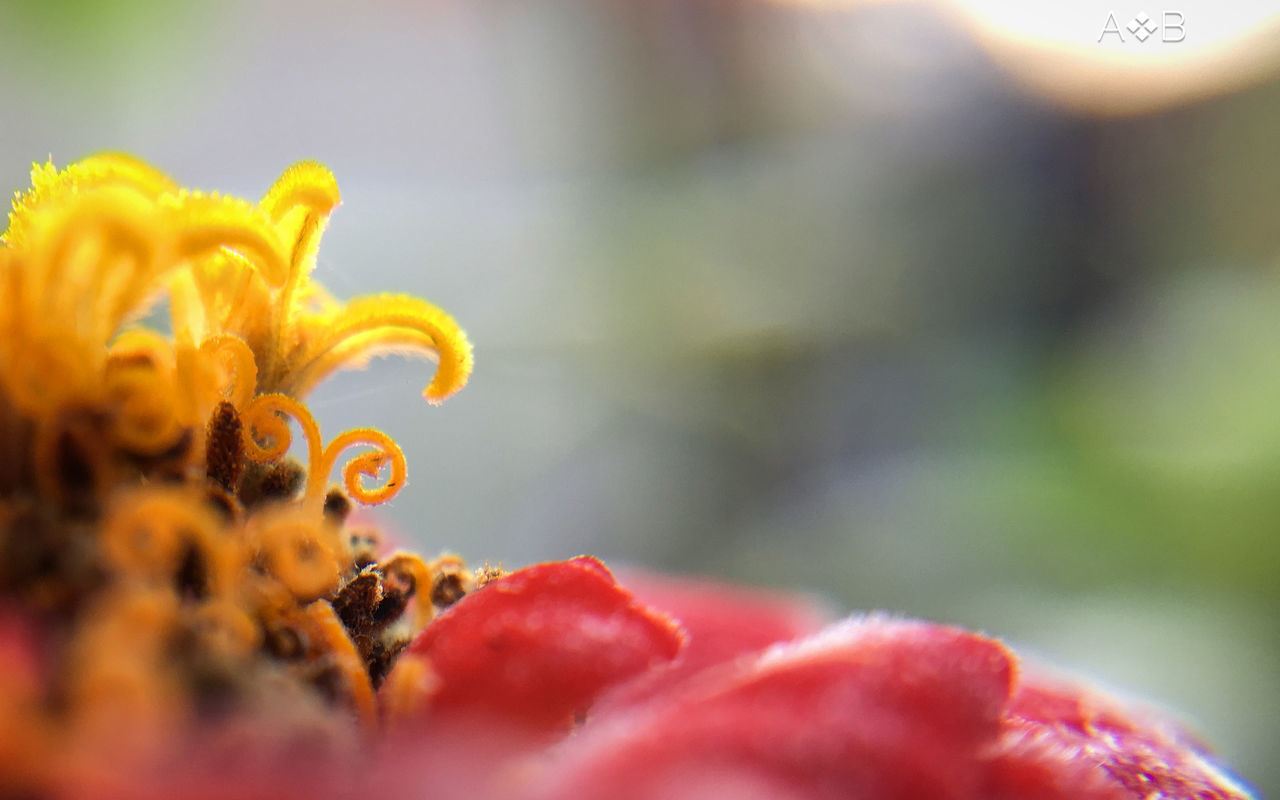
(239, 369)
(329, 630)
(204, 223)
(144, 535)
(262, 418)
(364, 465)
(412, 565)
(376, 325)
(297, 553)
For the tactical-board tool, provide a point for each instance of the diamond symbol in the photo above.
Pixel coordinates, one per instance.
(1141, 27)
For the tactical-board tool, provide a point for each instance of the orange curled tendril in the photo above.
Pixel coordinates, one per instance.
(142, 392)
(411, 564)
(238, 370)
(144, 535)
(120, 673)
(227, 628)
(367, 464)
(262, 417)
(298, 554)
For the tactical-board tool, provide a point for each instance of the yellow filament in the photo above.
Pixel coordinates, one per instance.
(411, 564)
(205, 223)
(299, 203)
(262, 417)
(329, 629)
(45, 373)
(226, 628)
(364, 465)
(145, 533)
(50, 187)
(369, 326)
(298, 554)
(144, 399)
(235, 361)
(94, 262)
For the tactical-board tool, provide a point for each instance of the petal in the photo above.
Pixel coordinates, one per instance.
(536, 647)
(722, 623)
(1062, 743)
(871, 708)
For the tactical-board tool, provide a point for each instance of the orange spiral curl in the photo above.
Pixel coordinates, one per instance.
(267, 438)
(297, 551)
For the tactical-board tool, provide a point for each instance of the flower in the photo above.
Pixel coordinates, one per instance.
(173, 572)
(185, 611)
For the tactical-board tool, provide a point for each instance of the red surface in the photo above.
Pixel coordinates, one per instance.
(539, 645)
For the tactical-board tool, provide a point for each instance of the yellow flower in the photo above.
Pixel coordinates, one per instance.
(146, 497)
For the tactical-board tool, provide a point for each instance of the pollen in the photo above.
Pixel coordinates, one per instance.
(187, 564)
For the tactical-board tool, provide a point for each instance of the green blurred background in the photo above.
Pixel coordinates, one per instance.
(814, 297)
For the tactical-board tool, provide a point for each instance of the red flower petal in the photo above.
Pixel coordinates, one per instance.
(1060, 742)
(536, 647)
(869, 709)
(722, 622)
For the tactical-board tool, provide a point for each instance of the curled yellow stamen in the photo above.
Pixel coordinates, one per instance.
(364, 465)
(226, 628)
(411, 564)
(144, 535)
(370, 326)
(263, 418)
(45, 373)
(298, 554)
(235, 361)
(207, 222)
(50, 186)
(96, 264)
(141, 392)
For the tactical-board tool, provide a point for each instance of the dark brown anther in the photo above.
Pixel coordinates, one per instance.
(357, 600)
(81, 461)
(396, 591)
(329, 680)
(337, 506)
(447, 589)
(381, 658)
(365, 546)
(223, 502)
(284, 642)
(192, 580)
(224, 447)
(263, 483)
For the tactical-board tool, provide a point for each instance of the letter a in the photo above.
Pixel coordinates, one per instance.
(1111, 27)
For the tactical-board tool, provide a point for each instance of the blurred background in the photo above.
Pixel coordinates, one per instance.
(968, 310)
